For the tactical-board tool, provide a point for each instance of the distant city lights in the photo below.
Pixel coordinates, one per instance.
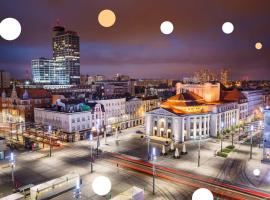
(10, 29)
(106, 18)
(166, 27)
(202, 193)
(227, 27)
(258, 46)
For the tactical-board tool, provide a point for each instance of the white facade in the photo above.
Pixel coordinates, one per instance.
(114, 109)
(163, 123)
(255, 100)
(179, 128)
(71, 122)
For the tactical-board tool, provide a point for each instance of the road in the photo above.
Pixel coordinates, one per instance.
(36, 167)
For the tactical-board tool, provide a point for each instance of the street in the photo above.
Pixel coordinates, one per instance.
(36, 167)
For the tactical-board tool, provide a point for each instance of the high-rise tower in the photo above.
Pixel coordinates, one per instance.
(66, 49)
(64, 67)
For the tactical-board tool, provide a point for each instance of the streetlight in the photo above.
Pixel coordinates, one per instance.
(77, 191)
(199, 151)
(91, 159)
(148, 144)
(221, 136)
(50, 132)
(12, 165)
(251, 141)
(98, 142)
(154, 157)
(233, 121)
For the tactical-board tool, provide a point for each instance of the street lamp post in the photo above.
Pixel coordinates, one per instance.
(221, 137)
(199, 152)
(50, 132)
(148, 147)
(12, 165)
(91, 159)
(154, 169)
(233, 120)
(77, 191)
(105, 136)
(251, 141)
(97, 141)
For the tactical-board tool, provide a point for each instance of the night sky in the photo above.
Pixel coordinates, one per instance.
(135, 45)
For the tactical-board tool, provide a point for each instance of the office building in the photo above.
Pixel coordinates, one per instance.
(64, 67)
(224, 77)
(66, 49)
(4, 79)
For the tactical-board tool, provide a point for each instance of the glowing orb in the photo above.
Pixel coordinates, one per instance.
(227, 27)
(258, 45)
(166, 27)
(256, 172)
(101, 185)
(202, 194)
(10, 29)
(106, 18)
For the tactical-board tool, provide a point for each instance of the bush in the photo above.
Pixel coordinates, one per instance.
(230, 147)
(222, 154)
(226, 150)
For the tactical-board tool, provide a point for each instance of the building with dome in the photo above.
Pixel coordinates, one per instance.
(196, 111)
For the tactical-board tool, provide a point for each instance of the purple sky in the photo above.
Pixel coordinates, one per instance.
(135, 45)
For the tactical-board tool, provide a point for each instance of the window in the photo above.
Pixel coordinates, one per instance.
(169, 125)
(78, 119)
(83, 119)
(191, 133)
(162, 124)
(73, 127)
(155, 123)
(78, 128)
(73, 121)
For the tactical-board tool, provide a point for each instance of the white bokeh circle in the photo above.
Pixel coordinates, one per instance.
(227, 27)
(101, 185)
(202, 194)
(256, 172)
(166, 27)
(10, 29)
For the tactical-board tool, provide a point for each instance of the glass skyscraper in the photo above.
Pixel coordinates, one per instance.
(64, 67)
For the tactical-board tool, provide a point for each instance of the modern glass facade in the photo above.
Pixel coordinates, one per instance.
(64, 67)
(49, 71)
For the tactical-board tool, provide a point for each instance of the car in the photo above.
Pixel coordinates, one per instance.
(138, 131)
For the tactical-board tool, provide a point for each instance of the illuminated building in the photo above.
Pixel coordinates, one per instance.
(255, 100)
(66, 49)
(188, 115)
(137, 107)
(74, 118)
(64, 67)
(224, 77)
(238, 96)
(266, 136)
(204, 76)
(4, 79)
(49, 71)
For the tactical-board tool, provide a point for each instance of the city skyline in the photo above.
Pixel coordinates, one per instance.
(136, 47)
